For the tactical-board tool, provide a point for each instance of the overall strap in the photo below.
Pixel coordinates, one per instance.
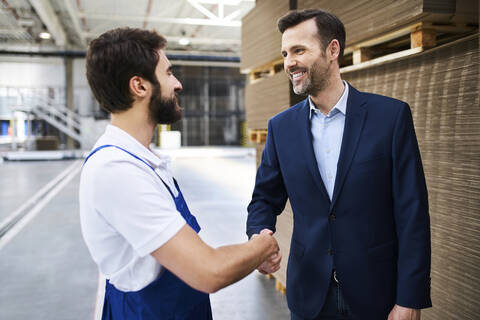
(176, 185)
(136, 157)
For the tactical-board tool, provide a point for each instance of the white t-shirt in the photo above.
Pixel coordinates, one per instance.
(126, 212)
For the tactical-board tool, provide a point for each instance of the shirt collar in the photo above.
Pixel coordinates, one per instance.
(340, 106)
(121, 138)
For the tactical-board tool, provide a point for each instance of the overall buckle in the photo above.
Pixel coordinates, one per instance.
(335, 276)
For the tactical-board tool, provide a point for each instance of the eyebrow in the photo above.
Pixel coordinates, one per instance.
(297, 46)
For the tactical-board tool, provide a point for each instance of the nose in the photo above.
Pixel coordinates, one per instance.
(178, 86)
(288, 63)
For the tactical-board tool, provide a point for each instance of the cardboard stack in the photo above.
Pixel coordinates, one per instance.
(366, 19)
(261, 40)
(261, 44)
(266, 98)
(442, 88)
(269, 95)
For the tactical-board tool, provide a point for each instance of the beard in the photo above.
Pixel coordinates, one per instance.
(163, 111)
(317, 79)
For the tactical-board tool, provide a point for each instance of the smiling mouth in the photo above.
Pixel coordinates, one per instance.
(297, 75)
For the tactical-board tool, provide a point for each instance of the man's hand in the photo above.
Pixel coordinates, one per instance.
(402, 313)
(272, 264)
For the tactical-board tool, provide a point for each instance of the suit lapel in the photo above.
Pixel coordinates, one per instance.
(306, 146)
(354, 121)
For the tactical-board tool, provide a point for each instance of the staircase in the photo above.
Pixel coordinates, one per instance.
(54, 113)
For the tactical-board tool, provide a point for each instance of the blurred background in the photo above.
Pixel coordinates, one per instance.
(226, 53)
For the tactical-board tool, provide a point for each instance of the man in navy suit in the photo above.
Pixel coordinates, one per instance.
(349, 163)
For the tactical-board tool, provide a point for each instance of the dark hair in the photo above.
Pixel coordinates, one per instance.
(115, 57)
(328, 25)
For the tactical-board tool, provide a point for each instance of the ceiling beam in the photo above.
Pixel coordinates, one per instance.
(193, 40)
(189, 21)
(205, 40)
(203, 10)
(46, 13)
(72, 10)
(225, 2)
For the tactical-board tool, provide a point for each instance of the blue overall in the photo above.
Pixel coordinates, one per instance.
(167, 297)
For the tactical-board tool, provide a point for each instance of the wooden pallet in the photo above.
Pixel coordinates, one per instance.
(394, 45)
(280, 287)
(278, 284)
(265, 71)
(401, 43)
(257, 135)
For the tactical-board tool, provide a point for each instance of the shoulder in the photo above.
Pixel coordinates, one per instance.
(111, 168)
(381, 109)
(384, 113)
(379, 103)
(377, 98)
(290, 113)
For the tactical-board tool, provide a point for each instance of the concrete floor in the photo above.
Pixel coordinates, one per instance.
(46, 271)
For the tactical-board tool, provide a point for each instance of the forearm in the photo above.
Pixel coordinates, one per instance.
(207, 269)
(234, 262)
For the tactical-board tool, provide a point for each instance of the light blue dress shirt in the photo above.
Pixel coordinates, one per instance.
(327, 134)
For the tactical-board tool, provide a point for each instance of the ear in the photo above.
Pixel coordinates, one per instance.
(333, 49)
(139, 87)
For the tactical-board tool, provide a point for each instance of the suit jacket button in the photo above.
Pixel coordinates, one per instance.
(331, 217)
(330, 252)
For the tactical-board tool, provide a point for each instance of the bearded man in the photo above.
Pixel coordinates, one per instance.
(135, 221)
(349, 163)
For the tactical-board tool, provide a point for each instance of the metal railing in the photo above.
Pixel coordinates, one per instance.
(53, 112)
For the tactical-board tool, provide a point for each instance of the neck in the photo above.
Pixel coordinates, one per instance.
(136, 123)
(326, 99)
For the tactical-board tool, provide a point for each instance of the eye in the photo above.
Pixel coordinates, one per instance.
(284, 54)
(299, 50)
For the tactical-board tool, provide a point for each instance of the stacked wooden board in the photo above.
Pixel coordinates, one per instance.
(442, 88)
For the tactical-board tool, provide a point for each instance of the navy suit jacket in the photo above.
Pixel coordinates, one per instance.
(376, 229)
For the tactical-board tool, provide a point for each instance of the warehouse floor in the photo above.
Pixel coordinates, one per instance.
(46, 271)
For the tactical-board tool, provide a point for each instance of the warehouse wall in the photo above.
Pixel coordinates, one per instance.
(84, 101)
(46, 72)
(214, 109)
(213, 97)
(39, 74)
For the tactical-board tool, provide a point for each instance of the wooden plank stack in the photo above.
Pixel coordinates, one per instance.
(441, 84)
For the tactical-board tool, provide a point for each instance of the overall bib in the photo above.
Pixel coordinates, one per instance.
(165, 298)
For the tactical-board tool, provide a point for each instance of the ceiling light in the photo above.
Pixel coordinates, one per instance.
(184, 41)
(45, 35)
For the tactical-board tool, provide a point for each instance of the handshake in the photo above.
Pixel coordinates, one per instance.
(272, 256)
